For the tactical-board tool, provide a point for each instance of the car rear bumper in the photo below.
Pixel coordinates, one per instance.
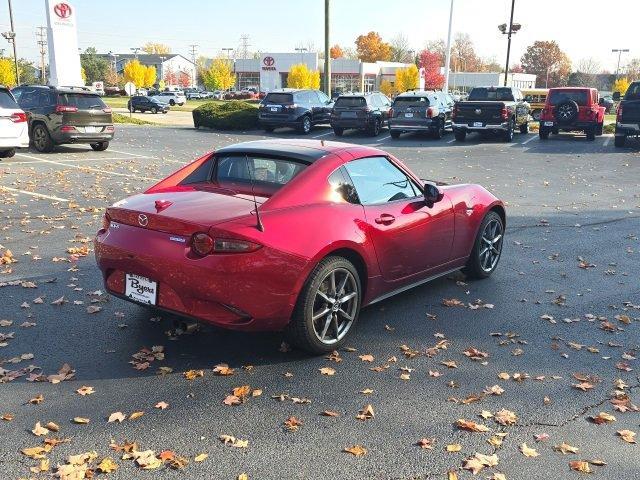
(567, 126)
(250, 291)
(424, 124)
(17, 142)
(358, 123)
(266, 120)
(469, 127)
(82, 137)
(627, 128)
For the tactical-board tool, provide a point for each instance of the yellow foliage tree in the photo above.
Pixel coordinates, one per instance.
(387, 88)
(407, 78)
(219, 75)
(621, 85)
(7, 72)
(157, 48)
(149, 76)
(301, 77)
(134, 72)
(83, 74)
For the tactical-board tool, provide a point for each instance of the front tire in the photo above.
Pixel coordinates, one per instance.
(619, 140)
(154, 110)
(7, 153)
(99, 146)
(305, 125)
(338, 132)
(172, 102)
(41, 139)
(524, 128)
(460, 135)
(487, 247)
(327, 308)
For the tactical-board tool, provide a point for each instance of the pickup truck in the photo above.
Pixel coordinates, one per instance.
(571, 109)
(497, 110)
(628, 115)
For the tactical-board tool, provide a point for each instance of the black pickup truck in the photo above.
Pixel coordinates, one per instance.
(628, 116)
(497, 110)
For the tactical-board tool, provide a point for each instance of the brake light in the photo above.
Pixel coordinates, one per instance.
(225, 245)
(504, 113)
(19, 117)
(67, 128)
(106, 221)
(455, 112)
(106, 109)
(368, 109)
(391, 112)
(429, 112)
(202, 244)
(65, 108)
(619, 114)
(109, 128)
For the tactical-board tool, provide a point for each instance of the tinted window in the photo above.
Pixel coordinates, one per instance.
(278, 98)
(351, 102)
(82, 101)
(241, 168)
(377, 180)
(558, 96)
(342, 187)
(633, 92)
(500, 94)
(6, 100)
(412, 100)
(29, 99)
(323, 97)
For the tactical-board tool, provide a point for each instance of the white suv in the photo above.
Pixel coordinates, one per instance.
(172, 98)
(14, 131)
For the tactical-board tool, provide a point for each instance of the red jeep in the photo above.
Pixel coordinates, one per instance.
(572, 109)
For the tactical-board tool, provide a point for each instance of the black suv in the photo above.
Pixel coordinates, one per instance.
(300, 109)
(60, 115)
(364, 111)
(147, 104)
(421, 111)
(628, 115)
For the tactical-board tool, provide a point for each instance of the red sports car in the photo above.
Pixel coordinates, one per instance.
(293, 235)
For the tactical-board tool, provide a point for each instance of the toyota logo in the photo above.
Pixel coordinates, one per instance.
(143, 220)
(62, 10)
(268, 61)
(478, 111)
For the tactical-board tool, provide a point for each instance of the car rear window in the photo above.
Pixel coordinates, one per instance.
(559, 96)
(498, 94)
(6, 100)
(82, 101)
(633, 92)
(278, 98)
(422, 101)
(351, 102)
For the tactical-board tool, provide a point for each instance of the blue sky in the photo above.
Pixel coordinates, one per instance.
(583, 28)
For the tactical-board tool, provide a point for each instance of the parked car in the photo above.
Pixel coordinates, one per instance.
(300, 109)
(59, 115)
(195, 94)
(536, 98)
(607, 102)
(172, 98)
(14, 131)
(628, 115)
(497, 110)
(147, 104)
(421, 111)
(142, 91)
(571, 109)
(334, 227)
(362, 111)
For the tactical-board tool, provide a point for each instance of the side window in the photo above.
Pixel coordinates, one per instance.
(342, 188)
(28, 99)
(375, 101)
(323, 97)
(377, 180)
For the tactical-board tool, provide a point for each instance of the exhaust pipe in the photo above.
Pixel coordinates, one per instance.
(186, 326)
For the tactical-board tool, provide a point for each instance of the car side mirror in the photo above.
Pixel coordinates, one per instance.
(432, 194)
(616, 96)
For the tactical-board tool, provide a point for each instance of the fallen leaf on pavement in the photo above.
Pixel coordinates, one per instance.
(580, 466)
(116, 417)
(528, 451)
(356, 450)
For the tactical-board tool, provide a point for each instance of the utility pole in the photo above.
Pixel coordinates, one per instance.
(11, 37)
(447, 62)
(327, 50)
(244, 46)
(42, 43)
(619, 51)
(193, 49)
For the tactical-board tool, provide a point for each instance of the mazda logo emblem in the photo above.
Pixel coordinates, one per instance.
(143, 220)
(62, 10)
(268, 61)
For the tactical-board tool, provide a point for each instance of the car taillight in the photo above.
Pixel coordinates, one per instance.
(225, 245)
(455, 112)
(19, 117)
(65, 108)
(619, 114)
(106, 221)
(368, 109)
(429, 112)
(109, 128)
(202, 244)
(67, 128)
(391, 112)
(504, 113)
(106, 109)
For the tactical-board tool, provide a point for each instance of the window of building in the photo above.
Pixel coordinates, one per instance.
(247, 80)
(369, 83)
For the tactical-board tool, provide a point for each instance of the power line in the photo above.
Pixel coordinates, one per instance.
(42, 44)
(193, 49)
(244, 46)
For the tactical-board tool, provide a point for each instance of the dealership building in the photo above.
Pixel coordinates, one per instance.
(465, 81)
(269, 71)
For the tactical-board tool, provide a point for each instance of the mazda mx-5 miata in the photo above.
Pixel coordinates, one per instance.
(293, 235)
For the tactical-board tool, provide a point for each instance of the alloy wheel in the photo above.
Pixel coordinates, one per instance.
(306, 124)
(335, 306)
(39, 138)
(491, 245)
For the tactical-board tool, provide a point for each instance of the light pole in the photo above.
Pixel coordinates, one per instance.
(135, 51)
(513, 28)
(301, 50)
(327, 51)
(11, 38)
(619, 51)
(447, 62)
(162, 58)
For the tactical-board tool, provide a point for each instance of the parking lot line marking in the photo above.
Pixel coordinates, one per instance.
(530, 139)
(134, 154)
(322, 135)
(30, 162)
(451, 141)
(381, 140)
(33, 194)
(98, 170)
(606, 141)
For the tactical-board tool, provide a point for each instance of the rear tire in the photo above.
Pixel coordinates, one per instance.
(524, 128)
(7, 153)
(460, 135)
(332, 325)
(599, 129)
(99, 146)
(172, 102)
(507, 136)
(374, 130)
(395, 134)
(619, 140)
(487, 247)
(305, 125)
(591, 134)
(543, 133)
(41, 139)
(439, 132)
(338, 132)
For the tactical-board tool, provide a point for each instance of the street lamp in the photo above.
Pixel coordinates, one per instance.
(135, 51)
(11, 38)
(512, 29)
(619, 51)
(114, 56)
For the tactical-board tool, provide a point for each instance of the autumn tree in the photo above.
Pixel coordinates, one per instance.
(184, 80)
(407, 78)
(400, 50)
(463, 54)
(95, 66)
(150, 76)
(336, 51)
(134, 72)
(431, 62)
(545, 59)
(633, 69)
(621, 85)
(371, 48)
(219, 75)
(300, 76)
(156, 48)
(112, 79)
(7, 72)
(387, 88)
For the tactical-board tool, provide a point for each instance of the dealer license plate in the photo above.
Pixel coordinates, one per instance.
(274, 109)
(141, 289)
(90, 129)
(548, 124)
(477, 124)
(408, 115)
(348, 114)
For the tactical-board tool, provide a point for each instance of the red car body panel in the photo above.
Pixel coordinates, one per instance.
(303, 222)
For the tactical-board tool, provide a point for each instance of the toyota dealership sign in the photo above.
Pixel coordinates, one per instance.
(62, 39)
(268, 63)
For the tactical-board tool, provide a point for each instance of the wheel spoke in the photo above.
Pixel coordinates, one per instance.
(321, 314)
(324, 297)
(326, 326)
(345, 315)
(482, 252)
(335, 326)
(347, 297)
(332, 282)
(343, 283)
(496, 239)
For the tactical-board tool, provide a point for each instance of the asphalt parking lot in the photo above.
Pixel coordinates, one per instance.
(559, 322)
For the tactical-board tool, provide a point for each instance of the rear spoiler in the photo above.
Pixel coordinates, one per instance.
(177, 177)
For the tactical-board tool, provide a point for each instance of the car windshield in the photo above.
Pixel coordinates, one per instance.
(559, 96)
(82, 101)
(633, 92)
(278, 98)
(482, 94)
(351, 102)
(412, 100)
(6, 100)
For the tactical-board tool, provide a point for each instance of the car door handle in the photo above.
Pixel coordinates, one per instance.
(385, 219)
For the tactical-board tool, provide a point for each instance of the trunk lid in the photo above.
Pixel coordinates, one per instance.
(486, 112)
(181, 210)
(91, 112)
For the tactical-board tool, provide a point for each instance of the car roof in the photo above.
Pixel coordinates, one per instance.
(417, 93)
(304, 150)
(62, 89)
